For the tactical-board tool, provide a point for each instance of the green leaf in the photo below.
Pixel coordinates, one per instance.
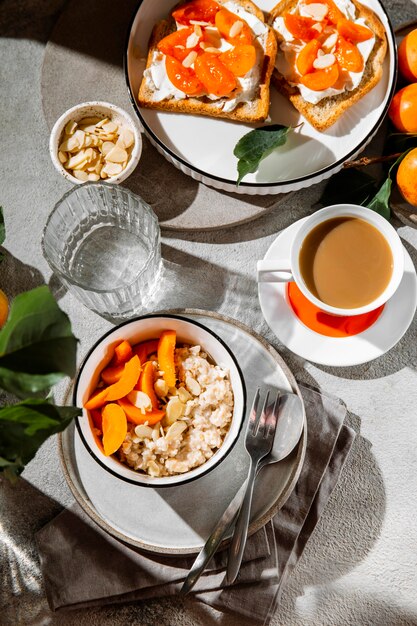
(37, 346)
(351, 185)
(25, 426)
(256, 145)
(380, 202)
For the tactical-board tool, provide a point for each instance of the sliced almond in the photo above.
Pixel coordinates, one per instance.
(106, 147)
(315, 10)
(116, 155)
(71, 127)
(62, 156)
(141, 400)
(76, 160)
(199, 23)
(198, 31)
(192, 41)
(101, 122)
(79, 137)
(80, 175)
(111, 169)
(71, 145)
(190, 58)
(110, 127)
(236, 28)
(143, 431)
(153, 469)
(321, 62)
(317, 27)
(175, 431)
(211, 50)
(184, 395)
(331, 41)
(127, 137)
(93, 177)
(161, 388)
(174, 410)
(193, 386)
(91, 120)
(87, 128)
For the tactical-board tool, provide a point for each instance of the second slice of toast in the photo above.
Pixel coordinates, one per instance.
(327, 111)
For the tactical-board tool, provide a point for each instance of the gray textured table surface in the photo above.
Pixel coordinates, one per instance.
(360, 566)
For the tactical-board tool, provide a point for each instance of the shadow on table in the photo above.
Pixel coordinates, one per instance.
(17, 276)
(176, 288)
(23, 511)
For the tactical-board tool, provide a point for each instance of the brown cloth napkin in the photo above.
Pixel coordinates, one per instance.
(83, 566)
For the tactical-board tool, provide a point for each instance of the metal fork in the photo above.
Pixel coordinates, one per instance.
(258, 442)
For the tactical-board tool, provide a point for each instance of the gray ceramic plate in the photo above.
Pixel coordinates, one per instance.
(178, 520)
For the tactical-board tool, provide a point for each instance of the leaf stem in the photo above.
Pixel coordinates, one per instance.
(363, 161)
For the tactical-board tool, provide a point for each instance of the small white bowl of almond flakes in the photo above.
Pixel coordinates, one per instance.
(95, 141)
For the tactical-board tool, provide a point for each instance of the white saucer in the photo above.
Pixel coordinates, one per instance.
(391, 325)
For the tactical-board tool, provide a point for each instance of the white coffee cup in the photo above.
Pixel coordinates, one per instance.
(288, 270)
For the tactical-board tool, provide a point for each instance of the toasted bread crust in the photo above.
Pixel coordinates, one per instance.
(253, 111)
(326, 112)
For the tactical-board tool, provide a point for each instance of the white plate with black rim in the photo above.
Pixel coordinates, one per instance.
(179, 519)
(202, 147)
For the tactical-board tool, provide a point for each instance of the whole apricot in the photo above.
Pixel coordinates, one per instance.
(407, 177)
(4, 308)
(407, 56)
(403, 109)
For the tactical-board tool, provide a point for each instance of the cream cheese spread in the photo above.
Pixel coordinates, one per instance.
(288, 50)
(163, 89)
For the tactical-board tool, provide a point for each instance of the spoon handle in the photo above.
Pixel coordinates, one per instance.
(213, 542)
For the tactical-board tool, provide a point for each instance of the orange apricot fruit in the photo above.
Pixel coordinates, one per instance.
(114, 426)
(353, 32)
(232, 28)
(174, 44)
(197, 10)
(240, 59)
(348, 55)
(403, 109)
(334, 14)
(319, 80)
(407, 56)
(407, 177)
(300, 27)
(214, 75)
(183, 78)
(307, 56)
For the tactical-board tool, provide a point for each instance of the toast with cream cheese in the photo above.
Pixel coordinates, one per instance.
(322, 108)
(248, 102)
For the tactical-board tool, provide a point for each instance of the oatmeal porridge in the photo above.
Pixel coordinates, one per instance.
(198, 414)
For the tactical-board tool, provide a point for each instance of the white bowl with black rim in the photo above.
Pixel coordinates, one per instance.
(135, 331)
(202, 147)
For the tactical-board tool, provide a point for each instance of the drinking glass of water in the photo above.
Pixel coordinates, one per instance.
(103, 243)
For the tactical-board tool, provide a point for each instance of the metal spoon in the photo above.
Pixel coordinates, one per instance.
(289, 428)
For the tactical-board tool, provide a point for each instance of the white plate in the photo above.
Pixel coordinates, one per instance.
(391, 325)
(202, 147)
(178, 520)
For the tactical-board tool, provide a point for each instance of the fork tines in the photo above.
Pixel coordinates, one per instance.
(265, 420)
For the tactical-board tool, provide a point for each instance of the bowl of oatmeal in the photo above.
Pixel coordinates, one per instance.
(163, 400)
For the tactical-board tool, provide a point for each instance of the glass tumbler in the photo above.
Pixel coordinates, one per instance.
(103, 243)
